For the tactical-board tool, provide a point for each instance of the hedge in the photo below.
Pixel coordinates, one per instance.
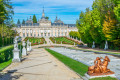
(6, 53)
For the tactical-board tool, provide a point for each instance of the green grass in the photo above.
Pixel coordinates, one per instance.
(35, 41)
(104, 78)
(63, 39)
(94, 51)
(5, 64)
(78, 67)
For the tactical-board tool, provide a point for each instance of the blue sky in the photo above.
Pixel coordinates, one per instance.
(67, 10)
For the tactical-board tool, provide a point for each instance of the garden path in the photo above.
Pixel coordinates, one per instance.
(39, 65)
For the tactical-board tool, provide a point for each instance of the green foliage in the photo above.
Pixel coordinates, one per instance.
(6, 10)
(6, 35)
(34, 19)
(78, 67)
(35, 41)
(5, 64)
(6, 53)
(18, 22)
(47, 17)
(97, 25)
(64, 40)
(23, 22)
(74, 34)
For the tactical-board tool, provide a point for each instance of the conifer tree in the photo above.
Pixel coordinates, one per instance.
(34, 19)
(23, 22)
(18, 22)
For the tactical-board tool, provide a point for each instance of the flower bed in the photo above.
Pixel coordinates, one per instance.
(64, 40)
(35, 41)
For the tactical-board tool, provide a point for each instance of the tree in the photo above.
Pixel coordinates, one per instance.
(111, 31)
(23, 22)
(96, 26)
(34, 19)
(18, 22)
(6, 11)
(117, 9)
(46, 17)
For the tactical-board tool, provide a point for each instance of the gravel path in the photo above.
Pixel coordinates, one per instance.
(39, 65)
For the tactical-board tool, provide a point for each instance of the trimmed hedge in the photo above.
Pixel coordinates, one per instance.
(6, 53)
(7, 41)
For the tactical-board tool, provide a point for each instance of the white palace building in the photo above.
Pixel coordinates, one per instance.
(45, 28)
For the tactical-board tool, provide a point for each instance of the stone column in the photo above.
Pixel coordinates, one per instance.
(93, 46)
(16, 52)
(24, 52)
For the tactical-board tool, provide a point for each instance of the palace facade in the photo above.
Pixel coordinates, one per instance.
(45, 28)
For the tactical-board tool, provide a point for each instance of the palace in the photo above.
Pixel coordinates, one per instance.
(45, 28)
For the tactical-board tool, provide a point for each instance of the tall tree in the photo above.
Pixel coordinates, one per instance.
(6, 10)
(34, 19)
(23, 22)
(18, 22)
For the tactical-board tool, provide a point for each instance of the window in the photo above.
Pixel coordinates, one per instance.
(48, 34)
(62, 33)
(65, 33)
(42, 34)
(34, 35)
(27, 34)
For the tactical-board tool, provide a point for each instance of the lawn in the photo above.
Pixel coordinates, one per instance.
(76, 66)
(64, 40)
(6, 54)
(35, 41)
(104, 78)
(5, 64)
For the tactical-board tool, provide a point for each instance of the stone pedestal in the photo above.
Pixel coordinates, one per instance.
(24, 52)
(61, 42)
(89, 77)
(55, 42)
(16, 56)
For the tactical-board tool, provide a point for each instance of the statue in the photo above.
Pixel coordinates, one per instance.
(15, 44)
(24, 52)
(93, 46)
(106, 45)
(99, 67)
